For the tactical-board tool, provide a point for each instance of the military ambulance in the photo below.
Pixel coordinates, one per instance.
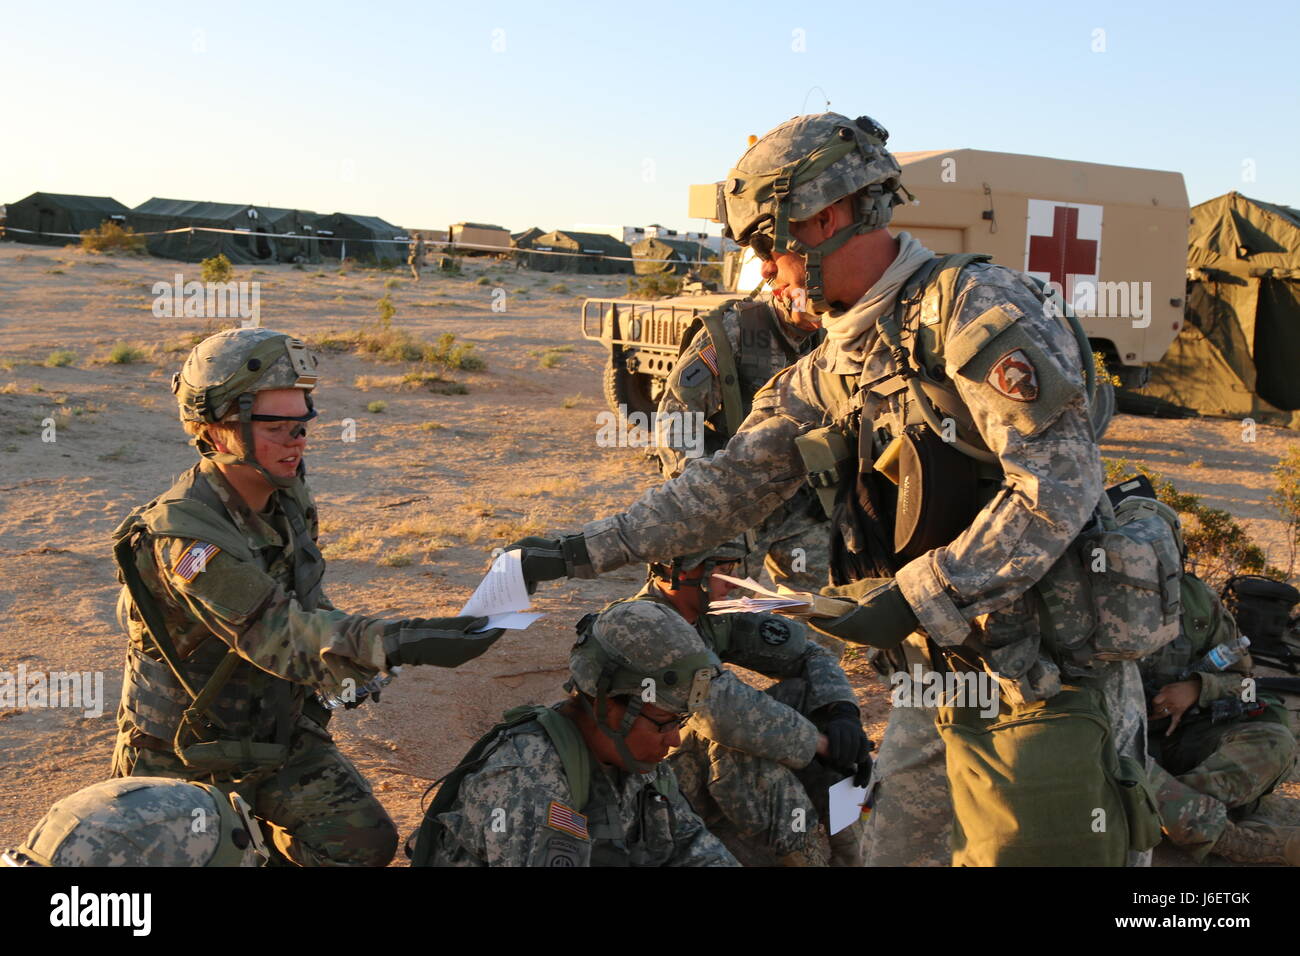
(1112, 239)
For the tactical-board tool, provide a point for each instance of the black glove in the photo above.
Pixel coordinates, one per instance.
(545, 559)
(883, 618)
(848, 747)
(444, 641)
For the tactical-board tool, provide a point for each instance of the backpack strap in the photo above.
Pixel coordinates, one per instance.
(733, 404)
(568, 742)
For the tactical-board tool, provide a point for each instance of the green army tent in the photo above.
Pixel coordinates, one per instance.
(247, 237)
(297, 222)
(34, 219)
(594, 252)
(1239, 350)
(525, 239)
(681, 253)
(364, 238)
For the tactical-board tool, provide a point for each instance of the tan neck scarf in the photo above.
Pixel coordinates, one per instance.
(850, 333)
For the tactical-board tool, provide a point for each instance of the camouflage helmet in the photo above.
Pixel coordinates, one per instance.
(800, 168)
(222, 376)
(144, 821)
(735, 550)
(647, 652)
(239, 362)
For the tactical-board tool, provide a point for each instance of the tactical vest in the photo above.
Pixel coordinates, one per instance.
(900, 488)
(741, 374)
(604, 819)
(217, 712)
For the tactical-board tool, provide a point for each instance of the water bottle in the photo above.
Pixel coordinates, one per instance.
(1221, 656)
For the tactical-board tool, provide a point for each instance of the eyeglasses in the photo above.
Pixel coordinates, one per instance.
(283, 432)
(762, 244)
(670, 725)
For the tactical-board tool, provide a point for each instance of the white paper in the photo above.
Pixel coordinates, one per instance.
(511, 621)
(502, 589)
(846, 804)
(767, 600)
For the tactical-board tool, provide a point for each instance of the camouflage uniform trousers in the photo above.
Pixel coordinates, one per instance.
(761, 810)
(1233, 765)
(317, 808)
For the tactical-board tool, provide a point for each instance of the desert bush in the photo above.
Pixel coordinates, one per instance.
(59, 358)
(1104, 373)
(392, 282)
(109, 237)
(376, 407)
(1218, 547)
(386, 311)
(124, 354)
(653, 286)
(217, 268)
(1285, 497)
(560, 289)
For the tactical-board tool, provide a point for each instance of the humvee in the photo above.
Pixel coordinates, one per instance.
(1048, 217)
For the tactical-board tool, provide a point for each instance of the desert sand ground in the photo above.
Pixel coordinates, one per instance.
(410, 510)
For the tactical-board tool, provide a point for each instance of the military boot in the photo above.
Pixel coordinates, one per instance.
(1259, 842)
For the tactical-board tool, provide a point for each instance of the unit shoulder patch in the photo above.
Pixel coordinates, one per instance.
(194, 560)
(1014, 376)
(695, 374)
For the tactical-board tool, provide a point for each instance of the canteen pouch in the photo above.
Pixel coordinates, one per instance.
(1040, 784)
(938, 492)
(1133, 569)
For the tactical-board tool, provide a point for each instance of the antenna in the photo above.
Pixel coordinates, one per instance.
(804, 109)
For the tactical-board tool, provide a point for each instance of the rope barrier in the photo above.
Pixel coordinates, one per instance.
(403, 242)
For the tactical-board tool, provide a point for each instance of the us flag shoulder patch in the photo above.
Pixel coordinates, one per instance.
(195, 560)
(561, 817)
(710, 356)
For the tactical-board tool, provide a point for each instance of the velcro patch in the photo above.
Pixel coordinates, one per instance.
(194, 561)
(1014, 376)
(697, 373)
(560, 817)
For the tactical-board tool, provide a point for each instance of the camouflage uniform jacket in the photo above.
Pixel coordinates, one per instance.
(269, 609)
(762, 343)
(741, 716)
(518, 810)
(1044, 444)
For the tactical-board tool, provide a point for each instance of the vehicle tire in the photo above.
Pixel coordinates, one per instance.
(637, 391)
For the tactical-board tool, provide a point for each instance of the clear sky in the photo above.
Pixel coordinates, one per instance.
(555, 114)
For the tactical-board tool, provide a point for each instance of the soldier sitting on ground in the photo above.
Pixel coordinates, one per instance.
(756, 765)
(584, 783)
(1219, 748)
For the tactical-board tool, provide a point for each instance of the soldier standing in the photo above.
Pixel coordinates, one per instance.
(415, 255)
(584, 783)
(945, 588)
(230, 629)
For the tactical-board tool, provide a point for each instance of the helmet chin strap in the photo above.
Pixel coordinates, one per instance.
(618, 737)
